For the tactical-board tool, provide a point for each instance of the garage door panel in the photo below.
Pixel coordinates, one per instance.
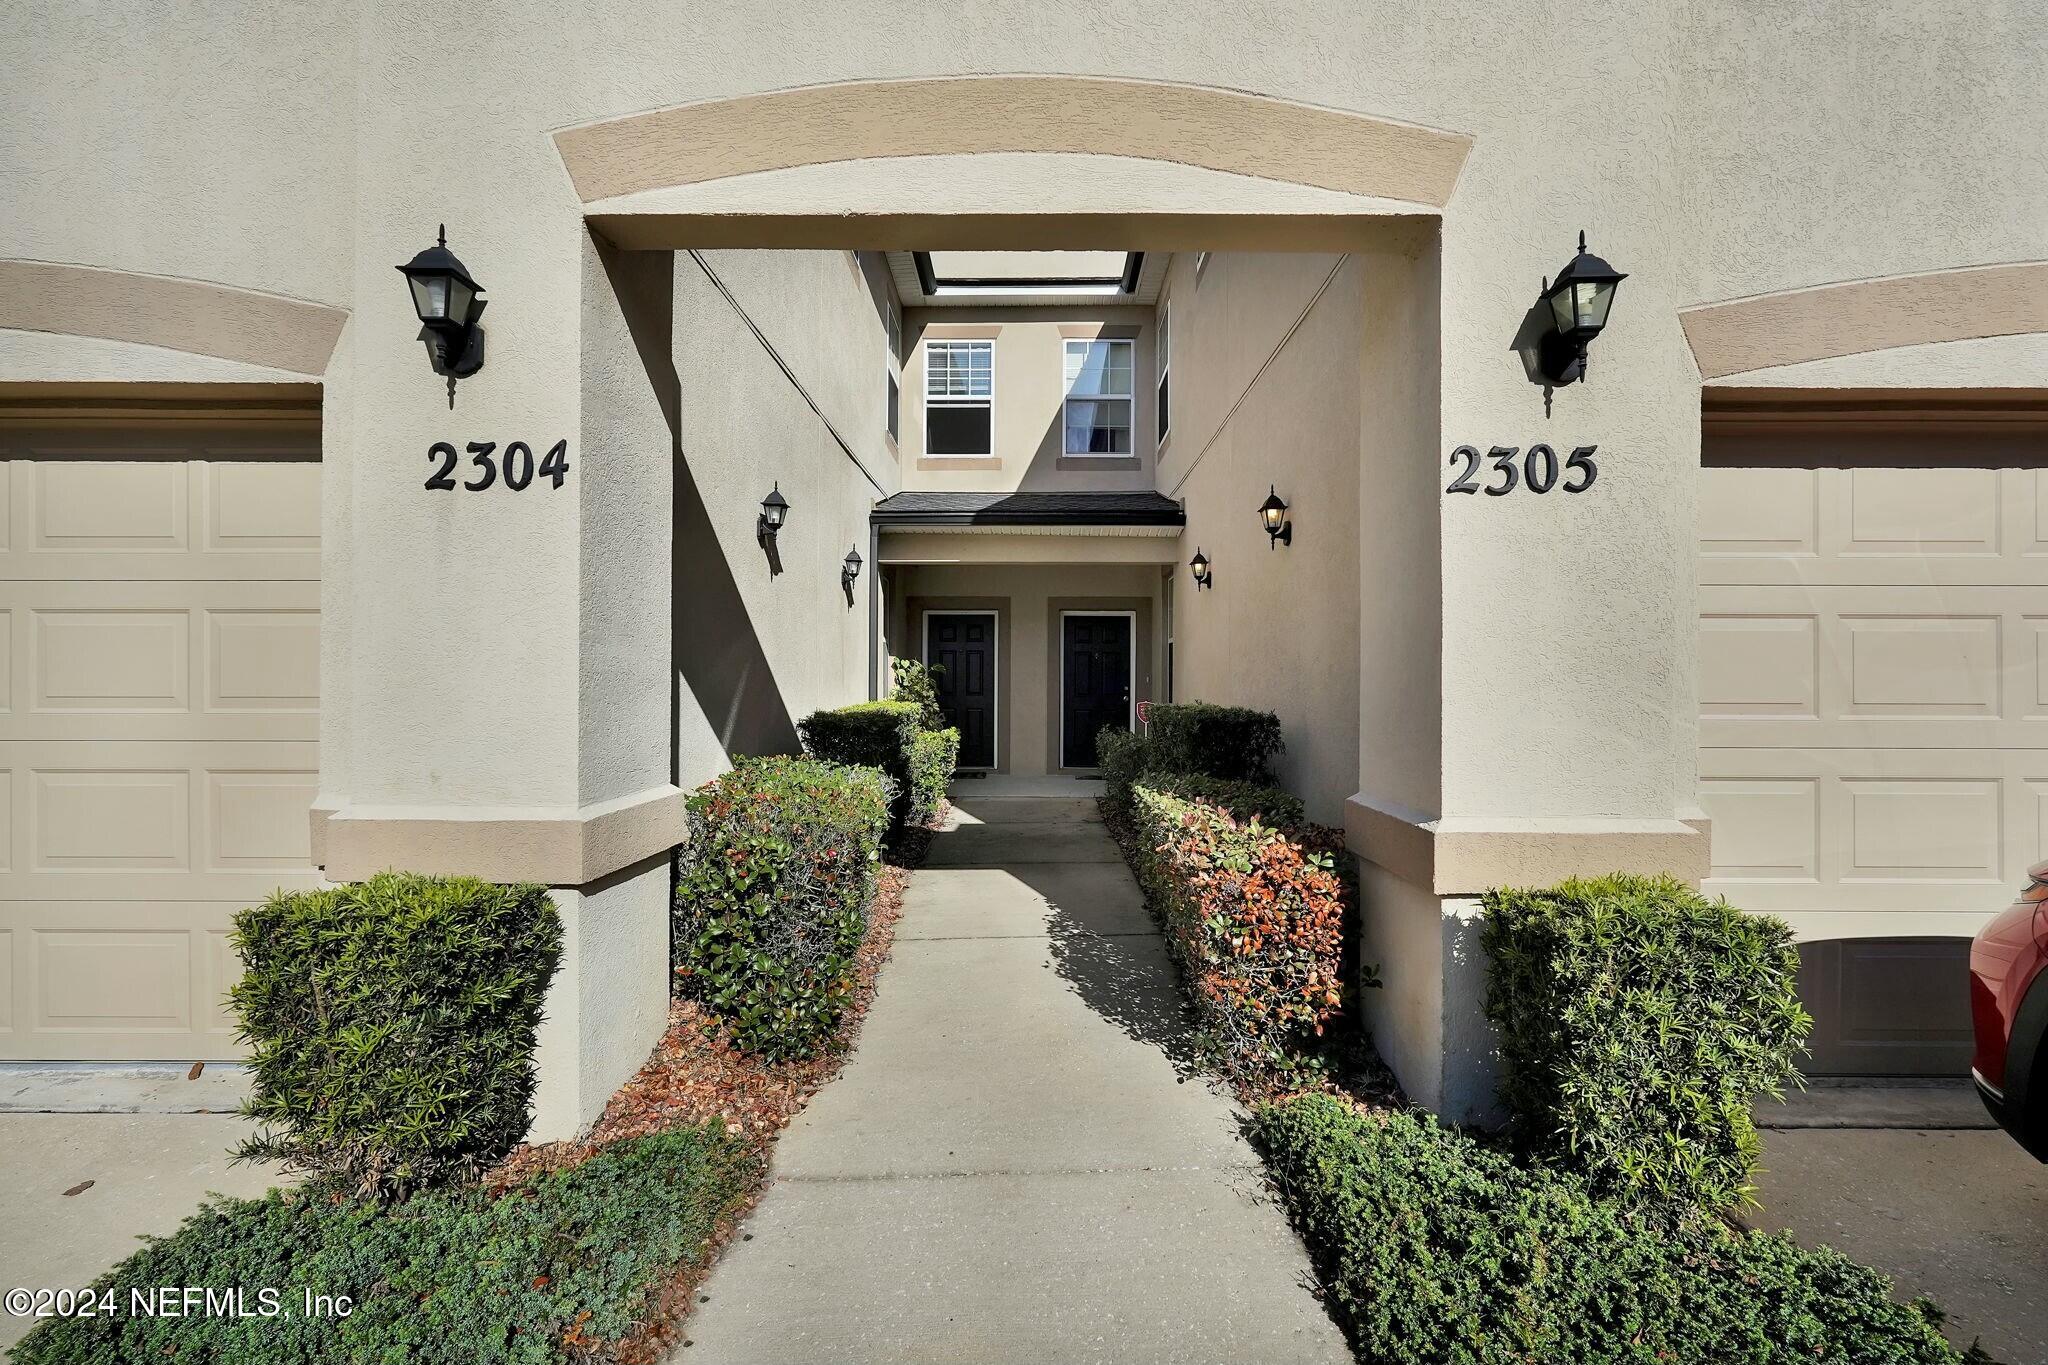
(159, 712)
(80, 519)
(114, 981)
(1874, 722)
(163, 660)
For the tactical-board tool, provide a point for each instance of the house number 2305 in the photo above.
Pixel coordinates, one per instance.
(515, 464)
(1538, 470)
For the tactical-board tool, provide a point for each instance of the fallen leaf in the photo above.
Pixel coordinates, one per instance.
(80, 1188)
(193, 1074)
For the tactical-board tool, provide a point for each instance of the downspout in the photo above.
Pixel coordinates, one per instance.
(874, 612)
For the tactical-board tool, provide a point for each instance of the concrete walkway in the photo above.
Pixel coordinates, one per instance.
(1016, 1164)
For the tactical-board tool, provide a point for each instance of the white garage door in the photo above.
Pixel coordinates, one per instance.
(1874, 717)
(158, 711)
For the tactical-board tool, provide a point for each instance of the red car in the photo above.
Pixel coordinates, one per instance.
(2009, 1007)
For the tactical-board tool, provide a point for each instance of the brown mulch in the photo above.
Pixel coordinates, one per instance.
(696, 1074)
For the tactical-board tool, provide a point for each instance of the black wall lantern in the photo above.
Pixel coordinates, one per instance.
(774, 511)
(1200, 565)
(448, 302)
(1579, 299)
(849, 573)
(1273, 514)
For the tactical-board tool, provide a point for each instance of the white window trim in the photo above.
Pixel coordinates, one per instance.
(1130, 702)
(1131, 398)
(957, 402)
(995, 665)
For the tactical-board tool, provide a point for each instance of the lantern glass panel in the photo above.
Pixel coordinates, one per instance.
(460, 299)
(430, 297)
(1595, 297)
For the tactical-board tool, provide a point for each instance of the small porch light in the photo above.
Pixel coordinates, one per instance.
(1273, 512)
(774, 511)
(1579, 299)
(449, 302)
(1200, 565)
(849, 572)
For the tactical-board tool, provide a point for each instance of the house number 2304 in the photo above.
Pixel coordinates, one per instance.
(515, 464)
(1538, 470)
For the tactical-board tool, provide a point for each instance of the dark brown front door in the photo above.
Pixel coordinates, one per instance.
(1096, 686)
(962, 646)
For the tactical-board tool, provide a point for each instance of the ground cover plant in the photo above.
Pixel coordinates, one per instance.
(390, 1026)
(1434, 1249)
(1639, 1021)
(560, 1266)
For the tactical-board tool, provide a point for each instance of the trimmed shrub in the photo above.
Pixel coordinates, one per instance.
(933, 756)
(540, 1274)
(1638, 1021)
(869, 734)
(1434, 1249)
(391, 1026)
(917, 683)
(772, 891)
(1215, 741)
(1121, 755)
(1245, 801)
(1256, 919)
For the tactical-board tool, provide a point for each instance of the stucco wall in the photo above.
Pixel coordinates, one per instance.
(1266, 395)
(1030, 389)
(1029, 598)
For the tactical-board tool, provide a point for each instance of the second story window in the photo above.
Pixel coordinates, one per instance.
(1099, 397)
(959, 397)
(1165, 366)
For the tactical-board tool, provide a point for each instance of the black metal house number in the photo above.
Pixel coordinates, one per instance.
(1538, 470)
(516, 465)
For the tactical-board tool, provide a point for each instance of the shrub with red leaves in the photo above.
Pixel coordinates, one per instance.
(1255, 917)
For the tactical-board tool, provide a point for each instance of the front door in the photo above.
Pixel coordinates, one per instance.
(1096, 691)
(961, 646)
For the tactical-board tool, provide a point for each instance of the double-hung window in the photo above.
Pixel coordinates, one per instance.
(959, 398)
(1099, 398)
(1165, 409)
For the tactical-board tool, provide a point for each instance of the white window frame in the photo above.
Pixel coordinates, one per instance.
(1067, 395)
(956, 401)
(1130, 702)
(995, 665)
(1161, 394)
(892, 376)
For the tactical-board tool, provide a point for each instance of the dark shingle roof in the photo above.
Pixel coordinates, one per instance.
(928, 508)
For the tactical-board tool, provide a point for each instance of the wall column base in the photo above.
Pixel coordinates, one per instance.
(608, 1004)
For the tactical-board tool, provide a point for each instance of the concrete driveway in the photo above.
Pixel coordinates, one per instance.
(1956, 1212)
(148, 1171)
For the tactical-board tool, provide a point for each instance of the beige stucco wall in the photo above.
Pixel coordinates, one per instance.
(1266, 395)
(1030, 392)
(492, 653)
(1028, 599)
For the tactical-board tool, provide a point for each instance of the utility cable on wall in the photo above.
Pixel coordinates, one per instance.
(788, 373)
(1257, 375)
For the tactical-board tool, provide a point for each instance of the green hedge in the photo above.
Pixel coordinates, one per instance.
(933, 756)
(772, 893)
(391, 1024)
(447, 1278)
(918, 683)
(1272, 807)
(869, 734)
(1255, 916)
(1230, 742)
(1121, 756)
(1638, 1022)
(1434, 1249)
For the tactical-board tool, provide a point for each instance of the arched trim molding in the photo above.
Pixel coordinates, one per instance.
(1195, 125)
(1855, 316)
(198, 316)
